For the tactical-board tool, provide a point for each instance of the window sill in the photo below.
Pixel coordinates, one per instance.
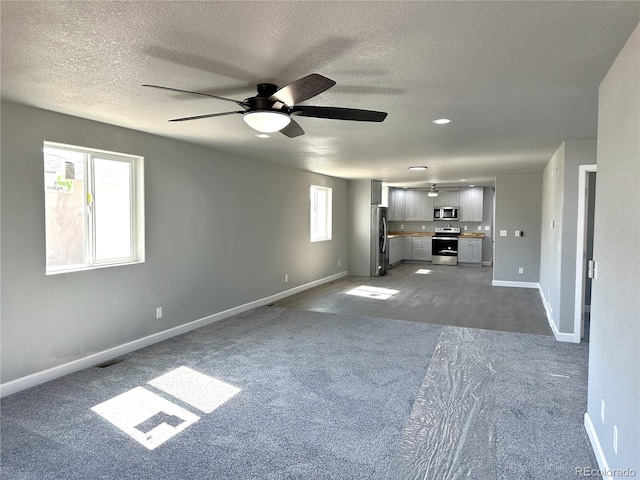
(91, 267)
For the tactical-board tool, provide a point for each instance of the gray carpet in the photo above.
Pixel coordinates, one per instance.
(321, 396)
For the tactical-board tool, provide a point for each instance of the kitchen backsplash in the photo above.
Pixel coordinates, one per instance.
(476, 227)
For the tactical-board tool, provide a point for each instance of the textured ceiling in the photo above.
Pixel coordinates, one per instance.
(517, 78)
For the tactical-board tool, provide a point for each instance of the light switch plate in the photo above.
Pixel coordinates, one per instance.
(503, 233)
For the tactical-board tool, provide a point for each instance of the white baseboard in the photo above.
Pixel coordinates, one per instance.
(597, 448)
(561, 337)
(94, 359)
(488, 263)
(509, 283)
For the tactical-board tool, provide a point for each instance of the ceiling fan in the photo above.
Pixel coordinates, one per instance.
(271, 109)
(433, 191)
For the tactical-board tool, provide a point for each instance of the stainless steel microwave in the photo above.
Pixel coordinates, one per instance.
(445, 213)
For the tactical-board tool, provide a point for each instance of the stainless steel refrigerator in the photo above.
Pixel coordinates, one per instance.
(379, 241)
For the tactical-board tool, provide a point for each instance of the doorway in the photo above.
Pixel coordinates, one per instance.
(584, 250)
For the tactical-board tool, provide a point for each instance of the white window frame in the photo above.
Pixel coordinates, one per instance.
(320, 223)
(136, 191)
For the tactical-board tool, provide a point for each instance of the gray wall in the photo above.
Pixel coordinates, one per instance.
(559, 229)
(614, 345)
(360, 227)
(518, 207)
(487, 215)
(221, 231)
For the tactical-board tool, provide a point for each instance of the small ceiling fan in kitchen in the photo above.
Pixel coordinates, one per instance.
(433, 191)
(272, 108)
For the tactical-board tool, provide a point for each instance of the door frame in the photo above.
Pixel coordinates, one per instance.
(581, 245)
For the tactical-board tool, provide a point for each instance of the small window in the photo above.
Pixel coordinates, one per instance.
(93, 208)
(320, 213)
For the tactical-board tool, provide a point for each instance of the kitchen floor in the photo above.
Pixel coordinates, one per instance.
(447, 295)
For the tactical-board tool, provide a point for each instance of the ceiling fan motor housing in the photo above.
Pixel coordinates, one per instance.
(261, 101)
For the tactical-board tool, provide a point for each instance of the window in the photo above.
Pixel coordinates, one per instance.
(94, 208)
(320, 213)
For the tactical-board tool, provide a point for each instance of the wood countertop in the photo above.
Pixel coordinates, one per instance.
(395, 234)
(410, 234)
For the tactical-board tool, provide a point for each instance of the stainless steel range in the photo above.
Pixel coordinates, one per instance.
(445, 246)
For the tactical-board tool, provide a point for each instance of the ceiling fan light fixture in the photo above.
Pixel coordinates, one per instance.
(432, 191)
(266, 121)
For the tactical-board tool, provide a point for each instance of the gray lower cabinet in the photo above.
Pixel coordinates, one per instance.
(421, 248)
(395, 251)
(409, 248)
(470, 250)
(405, 247)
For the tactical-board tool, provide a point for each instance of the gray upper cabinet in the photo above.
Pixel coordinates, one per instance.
(426, 206)
(471, 204)
(412, 205)
(376, 192)
(447, 197)
(397, 204)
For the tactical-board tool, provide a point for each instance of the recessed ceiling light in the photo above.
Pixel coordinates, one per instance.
(442, 121)
(463, 179)
(418, 167)
(263, 135)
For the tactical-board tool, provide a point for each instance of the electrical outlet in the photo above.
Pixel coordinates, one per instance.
(339, 263)
(422, 227)
(615, 439)
(520, 270)
(487, 228)
(158, 313)
(286, 277)
(401, 227)
(602, 410)
(517, 233)
(479, 227)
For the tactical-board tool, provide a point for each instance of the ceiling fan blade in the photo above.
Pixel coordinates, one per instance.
(293, 129)
(237, 102)
(338, 113)
(197, 117)
(302, 89)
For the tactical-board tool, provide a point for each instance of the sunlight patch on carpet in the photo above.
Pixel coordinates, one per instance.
(135, 407)
(199, 390)
(151, 419)
(373, 292)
